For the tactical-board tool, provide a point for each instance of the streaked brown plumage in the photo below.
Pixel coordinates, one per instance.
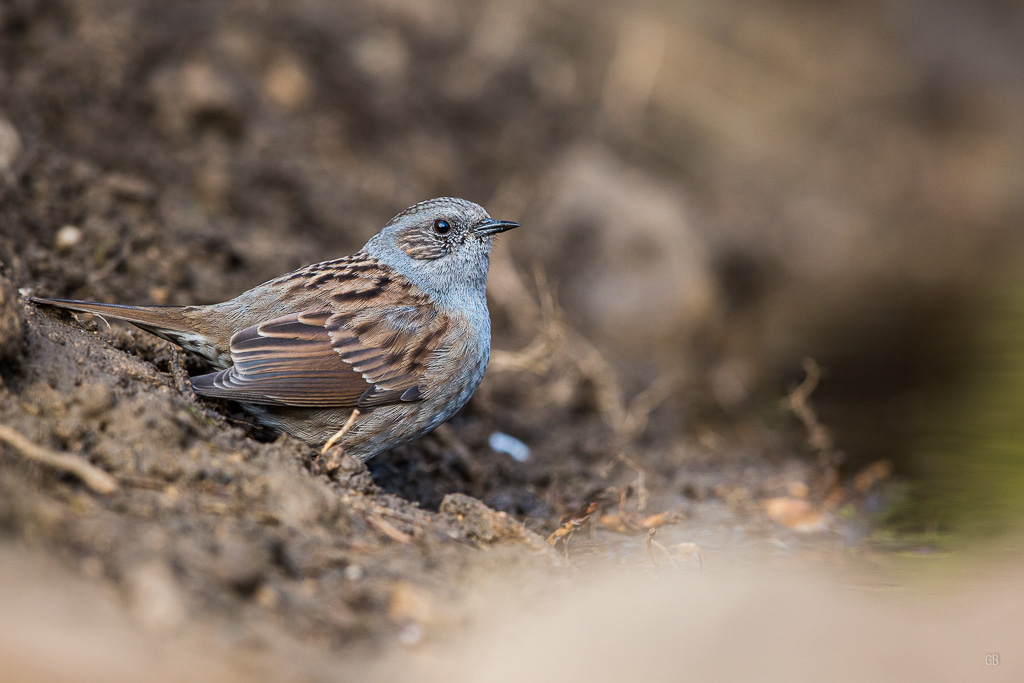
(399, 331)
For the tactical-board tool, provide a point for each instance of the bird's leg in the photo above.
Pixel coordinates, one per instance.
(341, 432)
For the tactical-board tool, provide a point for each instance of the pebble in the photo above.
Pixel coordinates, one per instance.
(67, 237)
(509, 445)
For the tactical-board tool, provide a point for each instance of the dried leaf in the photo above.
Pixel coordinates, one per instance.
(795, 514)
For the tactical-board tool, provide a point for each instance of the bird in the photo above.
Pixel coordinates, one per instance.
(368, 351)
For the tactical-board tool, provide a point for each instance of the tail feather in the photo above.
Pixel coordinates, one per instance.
(168, 318)
(168, 322)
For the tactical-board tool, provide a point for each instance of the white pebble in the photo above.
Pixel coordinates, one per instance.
(509, 445)
(67, 237)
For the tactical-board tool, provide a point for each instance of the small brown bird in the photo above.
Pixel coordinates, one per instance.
(369, 350)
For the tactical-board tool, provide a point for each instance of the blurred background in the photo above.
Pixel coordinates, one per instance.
(711, 193)
(715, 190)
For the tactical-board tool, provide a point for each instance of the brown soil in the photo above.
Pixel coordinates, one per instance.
(173, 153)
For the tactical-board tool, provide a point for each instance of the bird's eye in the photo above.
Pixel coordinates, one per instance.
(442, 227)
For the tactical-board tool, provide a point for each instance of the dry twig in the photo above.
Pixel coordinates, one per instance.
(537, 356)
(387, 528)
(653, 545)
(641, 490)
(570, 524)
(798, 401)
(626, 523)
(638, 412)
(558, 343)
(92, 476)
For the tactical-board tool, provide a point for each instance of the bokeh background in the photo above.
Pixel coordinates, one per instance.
(711, 193)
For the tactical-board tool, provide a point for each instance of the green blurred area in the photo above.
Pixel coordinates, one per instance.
(969, 458)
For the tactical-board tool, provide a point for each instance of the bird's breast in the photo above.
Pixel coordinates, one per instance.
(458, 365)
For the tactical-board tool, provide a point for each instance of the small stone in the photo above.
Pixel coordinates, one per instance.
(159, 295)
(410, 603)
(509, 445)
(287, 84)
(267, 596)
(172, 494)
(67, 237)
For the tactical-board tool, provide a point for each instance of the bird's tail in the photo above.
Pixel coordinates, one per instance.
(172, 323)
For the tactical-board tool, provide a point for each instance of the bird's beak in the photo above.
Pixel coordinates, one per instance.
(490, 227)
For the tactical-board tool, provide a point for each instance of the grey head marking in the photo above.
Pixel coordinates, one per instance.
(443, 246)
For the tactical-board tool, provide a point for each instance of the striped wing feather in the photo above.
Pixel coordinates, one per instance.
(319, 359)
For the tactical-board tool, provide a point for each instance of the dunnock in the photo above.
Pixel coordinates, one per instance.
(369, 350)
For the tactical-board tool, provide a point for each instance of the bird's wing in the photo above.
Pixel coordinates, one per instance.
(319, 358)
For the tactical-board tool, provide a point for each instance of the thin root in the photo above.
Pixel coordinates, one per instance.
(653, 545)
(570, 524)
(341, 432)
(92, 476)
(388, 529)
(642, 494)
(558, 345)
(650, 548)
(798, 402)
